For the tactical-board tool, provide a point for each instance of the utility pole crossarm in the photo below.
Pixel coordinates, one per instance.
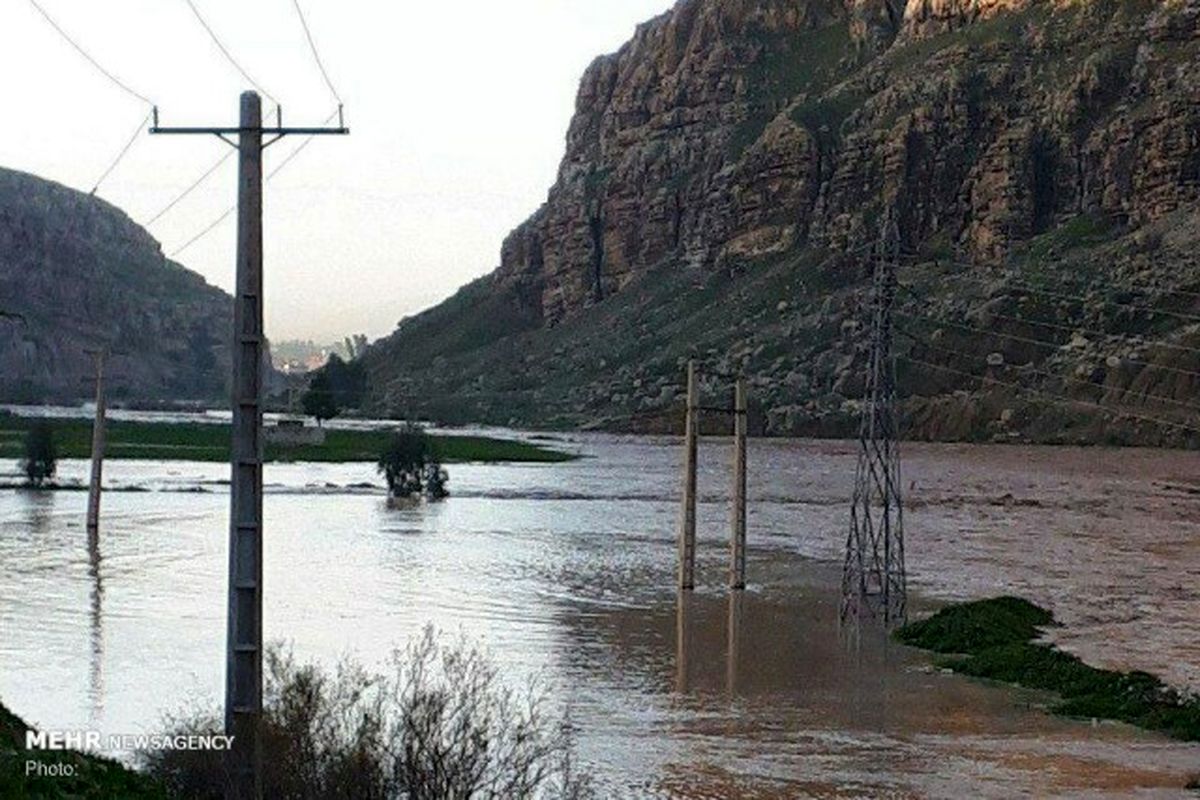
(225, 131)
(264, 131)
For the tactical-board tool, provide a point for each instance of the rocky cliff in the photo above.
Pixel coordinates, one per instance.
(724, 178)
(76, 274)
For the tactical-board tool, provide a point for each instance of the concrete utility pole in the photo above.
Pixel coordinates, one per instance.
(737, 542)
(243, 667)
(93, 509)
(687, 522)
(244, 630)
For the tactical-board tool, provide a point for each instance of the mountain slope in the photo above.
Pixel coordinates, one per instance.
(81, 274)
(724, 179)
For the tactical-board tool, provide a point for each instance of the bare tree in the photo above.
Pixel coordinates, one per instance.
(441, 724)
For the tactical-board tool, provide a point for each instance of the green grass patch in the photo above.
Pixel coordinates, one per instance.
(788, 65)
(995, 639)
(1006, 29)
(210, 442)
(973, 627)
(823, 116)
(1084, 230)
(92, 776)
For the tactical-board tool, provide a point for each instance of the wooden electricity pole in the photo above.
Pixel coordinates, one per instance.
(737, 543)
(93, 508)
(244, 629)
(687, 522)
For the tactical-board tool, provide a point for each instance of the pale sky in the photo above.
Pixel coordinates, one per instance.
(458, 113)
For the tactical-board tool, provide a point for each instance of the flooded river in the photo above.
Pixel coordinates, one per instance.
(568, 570)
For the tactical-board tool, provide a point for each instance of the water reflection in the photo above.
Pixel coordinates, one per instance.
(683, 641)
(733, 632)
(39, 510)
(96, 617)
(758, 695)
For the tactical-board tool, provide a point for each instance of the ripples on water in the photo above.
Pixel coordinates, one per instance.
(567, 570)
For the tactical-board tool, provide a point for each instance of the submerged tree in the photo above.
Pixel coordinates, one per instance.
(41, 455)
(402, 462)
(411, 467)
(436, 479)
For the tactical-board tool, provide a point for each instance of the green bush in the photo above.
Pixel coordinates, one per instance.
(439, 724)
(41, 456)
(973, 627)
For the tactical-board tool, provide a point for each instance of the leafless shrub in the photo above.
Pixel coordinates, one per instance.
(441, 724)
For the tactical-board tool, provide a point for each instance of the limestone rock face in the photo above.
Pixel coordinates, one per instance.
(646, 175)
(78, 274)
(732, 130)
(932, 17)
(739, 140)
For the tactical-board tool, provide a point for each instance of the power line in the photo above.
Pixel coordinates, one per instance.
(1058, 326)
(1024, 287)
(79, 49)
(111, 77)
(312, 45)
(1037, 342)
(299, 149)
(228, 55)
(225, 215)
(1052, 396)
(1076, 329)
(207, 230)
(121, 155)
(191, 188)
(1126, 284)
(1044, 374)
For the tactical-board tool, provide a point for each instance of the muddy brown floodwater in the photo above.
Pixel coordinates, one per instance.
(567, 571)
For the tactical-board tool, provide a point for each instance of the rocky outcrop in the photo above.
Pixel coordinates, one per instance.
(745, 140)
(732, 130)
(77, 274)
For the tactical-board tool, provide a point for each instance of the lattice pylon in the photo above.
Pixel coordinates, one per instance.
(874, 585)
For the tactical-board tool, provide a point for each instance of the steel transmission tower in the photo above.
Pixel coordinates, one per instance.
(873, 578)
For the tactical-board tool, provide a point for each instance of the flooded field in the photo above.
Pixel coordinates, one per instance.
(568, 570)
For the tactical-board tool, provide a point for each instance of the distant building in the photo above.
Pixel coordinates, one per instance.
(290, 432)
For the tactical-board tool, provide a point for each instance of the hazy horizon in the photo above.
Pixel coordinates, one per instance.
(458, 117)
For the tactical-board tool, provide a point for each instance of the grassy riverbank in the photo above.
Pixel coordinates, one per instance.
(87, 776)
(195, 441)
(997, 639)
